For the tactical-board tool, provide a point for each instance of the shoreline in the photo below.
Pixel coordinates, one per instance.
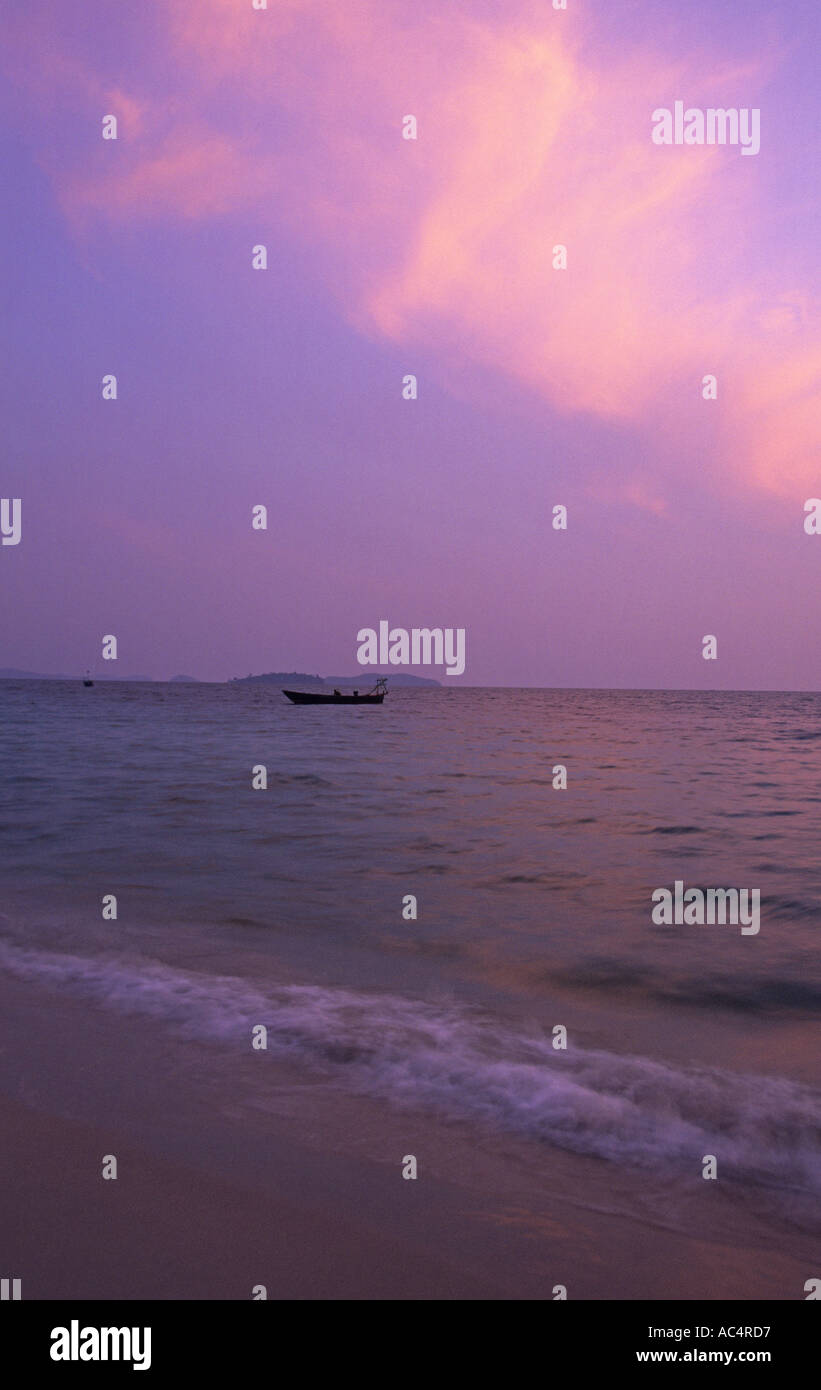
(224, 1185)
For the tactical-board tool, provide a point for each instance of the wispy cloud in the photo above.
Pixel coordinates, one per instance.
(531, 136)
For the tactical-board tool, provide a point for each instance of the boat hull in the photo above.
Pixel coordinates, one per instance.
(304, 697)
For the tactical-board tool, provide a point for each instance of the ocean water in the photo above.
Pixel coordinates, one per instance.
(284, 906)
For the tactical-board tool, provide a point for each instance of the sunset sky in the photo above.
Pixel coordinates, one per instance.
(386, 256)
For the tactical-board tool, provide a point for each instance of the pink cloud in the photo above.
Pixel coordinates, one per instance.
(530, 137)
(193, 173)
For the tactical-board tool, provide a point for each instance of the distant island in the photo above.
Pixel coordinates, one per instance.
(365, 679)
(294, 679)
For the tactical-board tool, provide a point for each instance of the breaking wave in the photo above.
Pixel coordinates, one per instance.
(467, 1066)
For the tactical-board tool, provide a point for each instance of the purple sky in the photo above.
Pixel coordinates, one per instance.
(386, 256)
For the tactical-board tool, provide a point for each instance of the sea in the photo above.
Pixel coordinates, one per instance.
(287, 906)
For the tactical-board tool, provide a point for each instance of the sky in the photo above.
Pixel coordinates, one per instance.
(537, 387)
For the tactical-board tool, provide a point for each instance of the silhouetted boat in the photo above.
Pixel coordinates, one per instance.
(308, 697)
(87, 679)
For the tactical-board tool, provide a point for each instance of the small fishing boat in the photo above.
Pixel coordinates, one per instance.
(309, 697)
(87, 679)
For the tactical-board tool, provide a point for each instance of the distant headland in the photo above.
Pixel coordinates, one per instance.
(363, 681)
(300, 679)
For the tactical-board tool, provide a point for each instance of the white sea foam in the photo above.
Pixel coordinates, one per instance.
(451, 1060)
